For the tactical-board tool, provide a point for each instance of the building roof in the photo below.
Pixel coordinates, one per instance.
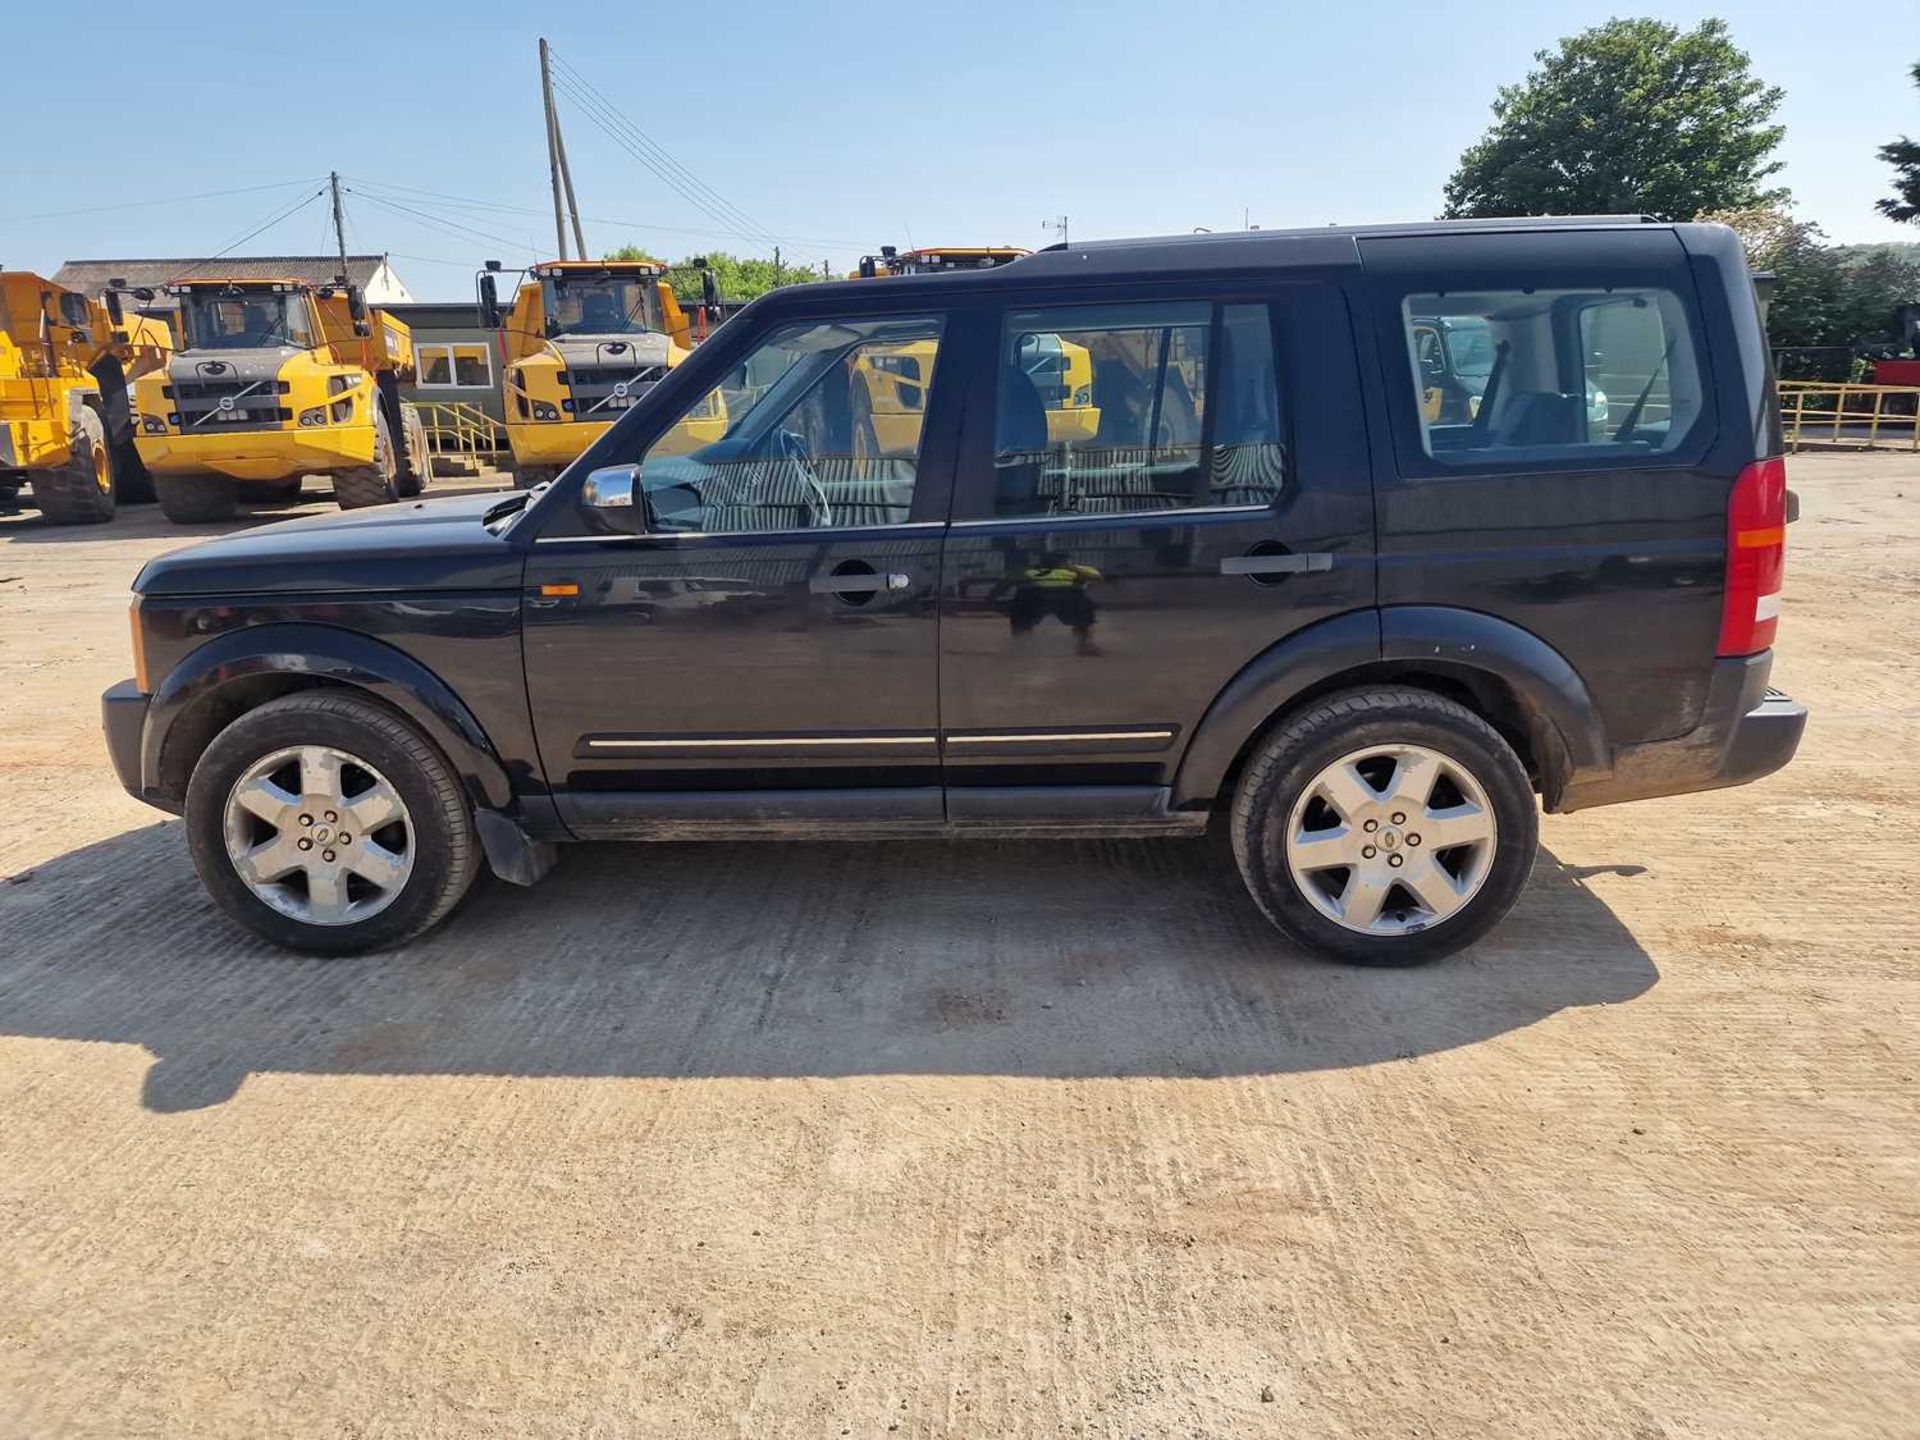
(90, 277)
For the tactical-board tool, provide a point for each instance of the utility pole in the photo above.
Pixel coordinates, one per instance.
(339, 222)
(776, 267)
(553, 149)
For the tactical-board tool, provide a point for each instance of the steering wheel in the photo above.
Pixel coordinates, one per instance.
(791, 446)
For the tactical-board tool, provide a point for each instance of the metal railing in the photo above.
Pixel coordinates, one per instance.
(1839, 414)
(457, 430)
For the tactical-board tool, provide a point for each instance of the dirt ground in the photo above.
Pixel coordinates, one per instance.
(976, 1140)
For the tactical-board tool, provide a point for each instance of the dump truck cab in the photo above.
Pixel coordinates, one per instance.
(584, 340)
(66, 425)
(888, 402)
(278, 379)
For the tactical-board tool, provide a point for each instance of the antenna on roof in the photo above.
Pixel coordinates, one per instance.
(1058, 226)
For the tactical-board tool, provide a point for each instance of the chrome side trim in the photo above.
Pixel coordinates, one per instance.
(788, 741)
(1050, 521)
(1060, 737)
(801, 534)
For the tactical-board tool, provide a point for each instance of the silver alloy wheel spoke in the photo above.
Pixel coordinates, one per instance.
(313, 855)
(1391, 861)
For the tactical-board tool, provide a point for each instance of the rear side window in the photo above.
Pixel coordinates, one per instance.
(1125, 409)
(1560, 377)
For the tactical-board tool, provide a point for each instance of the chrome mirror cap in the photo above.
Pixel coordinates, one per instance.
(611, 488)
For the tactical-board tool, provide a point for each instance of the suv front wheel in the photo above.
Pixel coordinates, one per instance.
(1385, 826)
(324, 822)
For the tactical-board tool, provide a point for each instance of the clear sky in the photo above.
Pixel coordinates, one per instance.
(833, 127)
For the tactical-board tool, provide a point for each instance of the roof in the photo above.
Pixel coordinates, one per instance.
(90, 277)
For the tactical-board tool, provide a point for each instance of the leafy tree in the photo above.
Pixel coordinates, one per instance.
(1630, 116)
(1904, 155)
(1824, 295)
(741, 278)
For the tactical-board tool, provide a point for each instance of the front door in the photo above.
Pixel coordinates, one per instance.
(1158, 492)
(765, 652)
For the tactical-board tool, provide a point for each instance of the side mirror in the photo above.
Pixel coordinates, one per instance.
(114, 312)
(356, 303)
(489, 302)
(611, 498)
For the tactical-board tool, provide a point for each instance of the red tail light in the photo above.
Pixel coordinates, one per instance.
(1756, 557)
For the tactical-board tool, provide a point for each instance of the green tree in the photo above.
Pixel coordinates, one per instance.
(741, 278)
(1633, 116)
(1824, 295)
(1904, 155)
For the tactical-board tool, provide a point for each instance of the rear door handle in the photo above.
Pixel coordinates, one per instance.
(865, 584)
(1301, 564)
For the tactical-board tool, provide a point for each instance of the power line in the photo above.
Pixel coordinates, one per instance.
(259, 229)
(687, 180)
(650, 153)
(470, 202)
(445, 226)
(163, 200)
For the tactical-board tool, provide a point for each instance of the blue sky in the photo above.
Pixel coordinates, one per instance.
(832, 127)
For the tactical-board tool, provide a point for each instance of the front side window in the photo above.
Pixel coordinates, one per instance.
(1121, 409)
(818, 427)
(1553, 376)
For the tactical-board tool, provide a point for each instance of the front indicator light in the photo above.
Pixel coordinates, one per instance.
(316, 416)
(152, 425)
(141, 680)
(543, 411)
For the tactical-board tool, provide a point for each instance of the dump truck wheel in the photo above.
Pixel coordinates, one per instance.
(375, 484)
(195, 499)
(80, 492)
(281, 492)
(525, 477)
(417, 465)
(132, 481)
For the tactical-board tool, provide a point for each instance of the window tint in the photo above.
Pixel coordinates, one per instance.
(1117, 409)
(1552, 375)
(819, 426)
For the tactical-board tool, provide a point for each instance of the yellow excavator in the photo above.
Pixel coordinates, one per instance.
(279, 379)
(66, 425)
(583, 341)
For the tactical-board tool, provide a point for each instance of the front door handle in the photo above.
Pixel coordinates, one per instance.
(862, 584)
(1301, 564)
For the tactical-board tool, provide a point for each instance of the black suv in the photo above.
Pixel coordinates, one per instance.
(1107, 541)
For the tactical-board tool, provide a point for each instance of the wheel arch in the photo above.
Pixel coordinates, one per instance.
(240, 671)
(1509, 677)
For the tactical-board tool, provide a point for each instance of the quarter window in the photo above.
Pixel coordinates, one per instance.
(818, 427)
(454, 367)
(1123, 409)
(1566, 376)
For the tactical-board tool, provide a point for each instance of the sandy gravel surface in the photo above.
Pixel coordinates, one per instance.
(982, 1140)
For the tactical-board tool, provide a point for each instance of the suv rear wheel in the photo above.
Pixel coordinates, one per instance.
(1385, 826)
(325, 822)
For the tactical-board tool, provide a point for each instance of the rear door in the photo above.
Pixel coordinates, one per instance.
(1151, 492)
(1573, 485)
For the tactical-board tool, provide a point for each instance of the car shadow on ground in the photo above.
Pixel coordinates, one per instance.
(1082, 959)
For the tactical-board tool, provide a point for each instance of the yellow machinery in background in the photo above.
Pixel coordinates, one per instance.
(890, 393)
(277, 380)
(583, 341)
(66, 425)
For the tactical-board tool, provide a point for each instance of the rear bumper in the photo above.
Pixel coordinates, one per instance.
(123, 715)
(1747, 730)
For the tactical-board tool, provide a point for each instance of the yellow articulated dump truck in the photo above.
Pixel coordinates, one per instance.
(892, 382)
(66, 424)
(277, 380)
(584, 340)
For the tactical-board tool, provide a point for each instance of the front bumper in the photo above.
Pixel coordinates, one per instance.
(259, 454)
(123, 715)
(1746, 730)
(554, 442)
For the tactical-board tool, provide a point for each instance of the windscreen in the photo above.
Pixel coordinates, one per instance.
(245, 320)
(601, 306)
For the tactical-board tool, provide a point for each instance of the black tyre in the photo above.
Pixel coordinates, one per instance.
(325, 822)
(416, 465)
(195, 499)
(81, 491)
(375, 484)
(279, 492)
(525, 477)
(1385, 826)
